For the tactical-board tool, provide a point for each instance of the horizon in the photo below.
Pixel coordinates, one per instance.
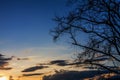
(59, 39)
(24, 31)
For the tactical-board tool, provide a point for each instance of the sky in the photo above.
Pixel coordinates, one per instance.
(24, 32)
(25, 39)
(25, 24)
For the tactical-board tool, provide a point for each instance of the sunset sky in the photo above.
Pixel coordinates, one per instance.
(87, 36)
(24, 34)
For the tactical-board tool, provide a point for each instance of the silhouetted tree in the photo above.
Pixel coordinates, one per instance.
(99, 20)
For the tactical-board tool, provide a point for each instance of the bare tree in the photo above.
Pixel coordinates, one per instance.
(99, 20)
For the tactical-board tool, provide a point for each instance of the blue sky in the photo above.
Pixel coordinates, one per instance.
(24, 31)
(26, 23)
(25, 27)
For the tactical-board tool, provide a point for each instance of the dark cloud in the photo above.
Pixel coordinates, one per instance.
(59, 62)
(31, 69)
(5, 59)
(74, 75)
(42, 64)
(23, 59)
(34, 74)
(4, 62)
(1, 55)
(5, 68)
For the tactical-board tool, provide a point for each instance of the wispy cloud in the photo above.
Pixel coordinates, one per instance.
(59, 62)
(23, 58)
(34, 74)
(31, 69)
(30, 56)
(36, 54)
(6, 68)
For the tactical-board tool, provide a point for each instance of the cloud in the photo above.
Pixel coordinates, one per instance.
(5, 59)
(56, 62)
(43, 53)
(2, 58)
(73, 75)
(5, 68)
(59, 62)
(4, 62)
(1, 55)
(34, 74)
(31, 69)
(23, 58)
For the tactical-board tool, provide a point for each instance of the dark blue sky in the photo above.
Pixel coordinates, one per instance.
(27, 22)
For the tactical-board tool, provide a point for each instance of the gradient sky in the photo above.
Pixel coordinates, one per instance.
(26, 23)
(24, 34)
(24, 30)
